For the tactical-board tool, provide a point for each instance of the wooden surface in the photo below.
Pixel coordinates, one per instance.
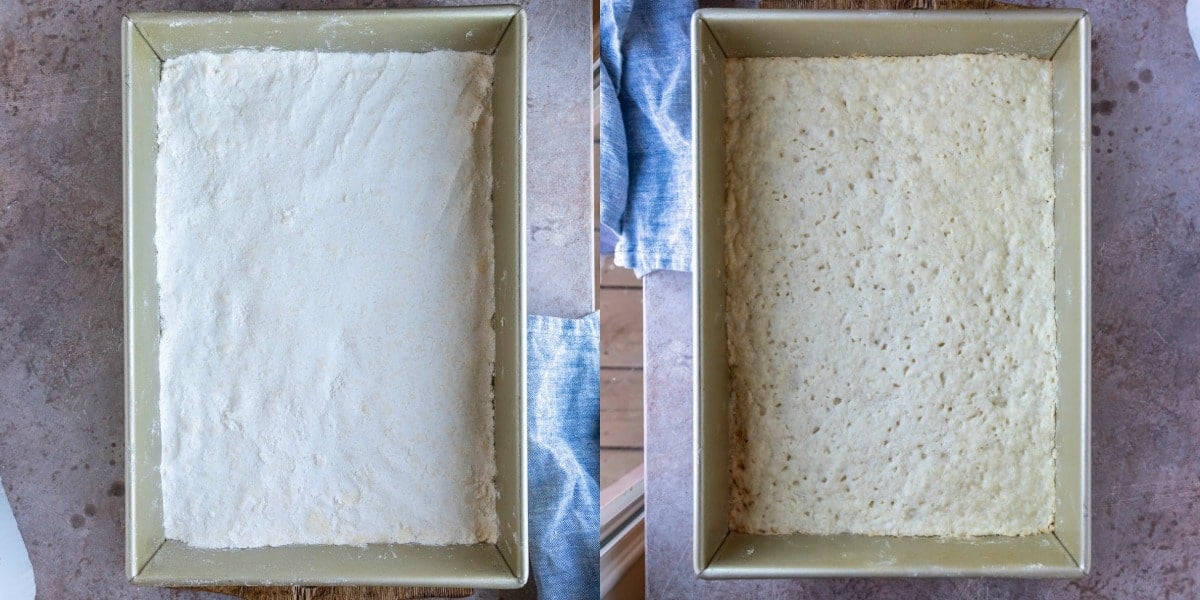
(615, 463)
(621, 409)
(620, 300)
(620, 327)
(336, 593)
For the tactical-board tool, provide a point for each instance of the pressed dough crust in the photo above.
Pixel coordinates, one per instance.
(325, 271)
(890, 254)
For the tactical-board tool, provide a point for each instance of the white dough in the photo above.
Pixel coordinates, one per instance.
(325, 270)
(890, 254)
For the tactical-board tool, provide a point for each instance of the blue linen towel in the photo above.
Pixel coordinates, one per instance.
(646, 134)
(564, 455)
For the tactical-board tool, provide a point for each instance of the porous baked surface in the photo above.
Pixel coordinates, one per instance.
(890, 256)
(324, 249)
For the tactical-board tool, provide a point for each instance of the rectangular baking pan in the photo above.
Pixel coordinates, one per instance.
(1060, 35)
(149, 38)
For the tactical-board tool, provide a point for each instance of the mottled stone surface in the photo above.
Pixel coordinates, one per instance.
(61, 407)
(1146, 350)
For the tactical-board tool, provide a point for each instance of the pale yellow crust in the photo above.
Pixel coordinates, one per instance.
(890, 248)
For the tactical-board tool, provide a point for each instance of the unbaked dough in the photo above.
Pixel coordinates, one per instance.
(325, 272)
(890, 254)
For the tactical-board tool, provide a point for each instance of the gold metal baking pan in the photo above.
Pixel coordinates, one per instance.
(1063, 36)
(149, 38)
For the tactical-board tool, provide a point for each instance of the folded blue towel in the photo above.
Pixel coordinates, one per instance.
(564, 455)
(646, 134)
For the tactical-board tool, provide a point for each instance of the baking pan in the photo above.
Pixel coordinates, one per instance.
(149, 38)
(1063, 36)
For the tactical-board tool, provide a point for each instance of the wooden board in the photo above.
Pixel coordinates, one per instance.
(615, 463)
(620, 327)
(621, 429)
(621, 408)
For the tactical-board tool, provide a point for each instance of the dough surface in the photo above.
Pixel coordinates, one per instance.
(890, 255)
(325, 269)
